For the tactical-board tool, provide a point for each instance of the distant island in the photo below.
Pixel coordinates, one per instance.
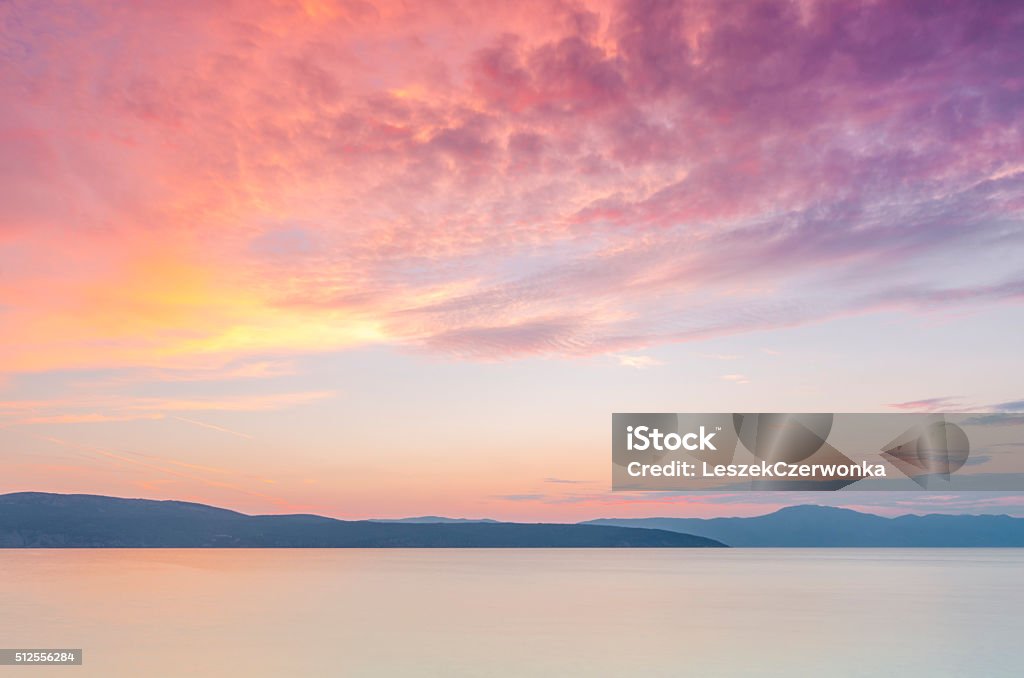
(43, 520)
(825, 526)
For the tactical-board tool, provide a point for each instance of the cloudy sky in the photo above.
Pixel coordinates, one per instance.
(384, 259)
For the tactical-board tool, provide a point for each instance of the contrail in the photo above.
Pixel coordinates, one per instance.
(212, 426)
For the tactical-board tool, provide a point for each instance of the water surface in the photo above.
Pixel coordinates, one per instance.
(715, 612)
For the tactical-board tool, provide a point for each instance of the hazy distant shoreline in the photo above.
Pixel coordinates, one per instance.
(45, 520)
(41, 520)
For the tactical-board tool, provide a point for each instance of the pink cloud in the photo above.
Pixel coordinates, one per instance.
(941, 404)
(181, 180)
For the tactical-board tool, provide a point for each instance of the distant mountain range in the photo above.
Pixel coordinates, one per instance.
(40, 520)
(819, 526)
(433, 519)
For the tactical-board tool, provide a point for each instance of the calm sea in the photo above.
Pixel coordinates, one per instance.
(792, 612)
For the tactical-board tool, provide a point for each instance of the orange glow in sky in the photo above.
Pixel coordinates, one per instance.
(394, 258)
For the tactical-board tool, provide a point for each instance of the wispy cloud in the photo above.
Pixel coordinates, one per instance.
(234, 403)
(240, 370)
(213, 427)
(112, 408)
(639, 362)
(86, 418)
(937, 404)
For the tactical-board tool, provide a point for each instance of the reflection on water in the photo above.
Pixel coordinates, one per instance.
(838, 612)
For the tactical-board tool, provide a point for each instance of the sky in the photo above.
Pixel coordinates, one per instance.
(399, 258)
